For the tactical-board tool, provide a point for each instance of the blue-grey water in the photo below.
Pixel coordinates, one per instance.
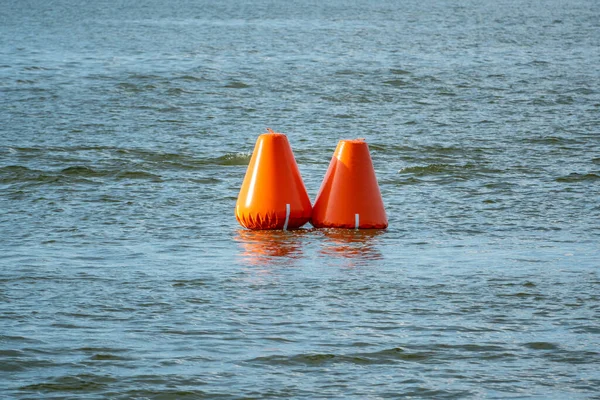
(125, 131)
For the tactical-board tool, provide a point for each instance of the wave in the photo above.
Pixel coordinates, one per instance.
(427, 169)
(135, 88)
(462, 171)
(398, 71)
(397, 82)
(551, 140)
(233, 159)
(438, 169)
(575, 177)
(429, 150)
(80, 171)
(401, 182)
(236, 85)
(70, 383)
(191, 78)
(19, 174)
(387, 356)
(143, 157)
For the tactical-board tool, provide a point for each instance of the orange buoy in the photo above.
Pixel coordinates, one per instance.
(349, 196)
(273, 195)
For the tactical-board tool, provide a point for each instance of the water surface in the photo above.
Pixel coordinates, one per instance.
(125, 132)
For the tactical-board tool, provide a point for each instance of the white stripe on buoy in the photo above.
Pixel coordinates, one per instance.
(287, 217)
(356, 221)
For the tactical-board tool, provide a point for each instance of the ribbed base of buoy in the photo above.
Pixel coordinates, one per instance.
(274, 219)
(273, 195)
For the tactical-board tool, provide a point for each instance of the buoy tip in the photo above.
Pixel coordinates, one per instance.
(272, 132)
(354, 141)
(272, 135)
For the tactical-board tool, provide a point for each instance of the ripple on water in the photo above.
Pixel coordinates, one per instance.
(387, 356)
(577, 177)
(81, 383)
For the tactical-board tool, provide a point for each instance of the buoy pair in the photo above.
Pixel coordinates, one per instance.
(273, 195)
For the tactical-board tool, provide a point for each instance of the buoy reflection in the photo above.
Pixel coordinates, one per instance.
(264, 247)
(351, 243)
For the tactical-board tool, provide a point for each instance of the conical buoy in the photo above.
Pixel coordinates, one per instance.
(273, 195)
(349, 196)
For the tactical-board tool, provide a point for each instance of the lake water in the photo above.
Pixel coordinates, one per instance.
(125, 132)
